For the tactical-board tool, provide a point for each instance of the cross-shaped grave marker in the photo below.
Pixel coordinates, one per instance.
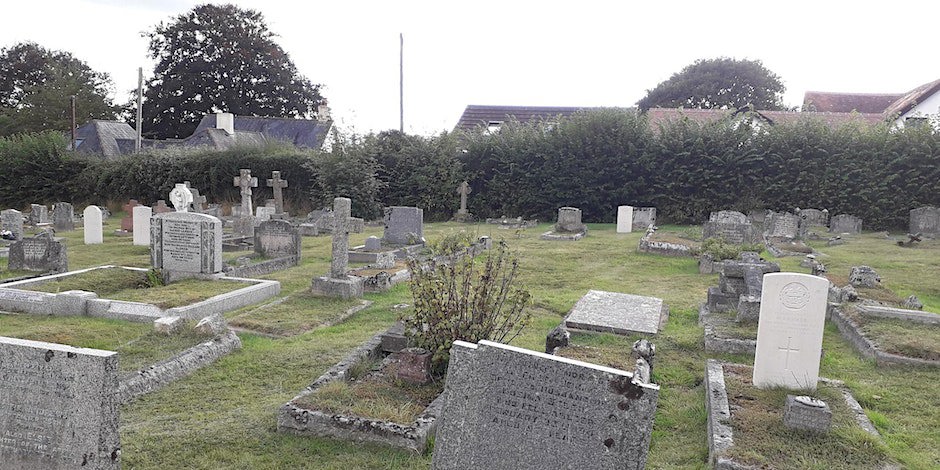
(245, 181)
(277, 184)
(199, 201)
(464, 189)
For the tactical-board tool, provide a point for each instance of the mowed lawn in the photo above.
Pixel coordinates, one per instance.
(224, 415)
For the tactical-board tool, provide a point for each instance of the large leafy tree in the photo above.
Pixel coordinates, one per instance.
(35, 86)
(220, 58)
(718, 83)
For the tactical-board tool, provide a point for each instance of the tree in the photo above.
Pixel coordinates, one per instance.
(220, 58)
(35, 86)
(718, 83)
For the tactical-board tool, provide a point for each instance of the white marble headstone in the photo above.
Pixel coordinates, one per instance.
(624, 219)
(142, 215)
(93, 225)
(790, 331)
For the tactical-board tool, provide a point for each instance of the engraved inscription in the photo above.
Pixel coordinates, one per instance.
(182, 245)
(34, 250)
(794, 296)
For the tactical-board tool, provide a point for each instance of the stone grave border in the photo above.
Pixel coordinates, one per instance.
(778, 252)
(647, 245)
(375, 284)
(357, 255)
(852, 332)
(509, 223)
(552, 235)
(294, 419)
(88, 304)
(267, 266)
(715, 343)
(720, 434)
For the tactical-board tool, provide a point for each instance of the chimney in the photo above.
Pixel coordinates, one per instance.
(323, 113)
(226, 122)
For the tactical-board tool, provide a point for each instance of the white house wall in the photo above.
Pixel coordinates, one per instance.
(926, 108)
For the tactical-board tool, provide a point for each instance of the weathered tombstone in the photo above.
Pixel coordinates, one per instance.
(277, 185)
(925, 221)
(183, 244)
(617, 313)
(142, 215)
(463, 190)
(373, 243)
(63, 217)
(338, 283)
(127, 223)
(263, 213)
(42, 253)
(245, 224)
(58, 406)
(199, 201)
(12, 220)
(732, 226)
(731, 217)
(864, 276)
(38, 214)
(845, 223)
(403, 225)
(93, 225)
(790, 331)
(569, 220)
(814, 217)
(277, 238)
(161, 208)
(643, 217)
(511, 408)
(624, 219)
(783, 225)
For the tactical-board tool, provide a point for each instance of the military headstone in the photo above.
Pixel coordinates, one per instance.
(277, 238)
(42, 253)
(617, 313)
(184, 244)
(142, 215)
(94, 230)
(624, 219)
(58, 406)
(12, 220)
(403, 225)
(63, 217)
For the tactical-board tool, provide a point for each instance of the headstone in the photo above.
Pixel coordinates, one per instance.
(643, 217)
(63, 217)
(245, 182)
(161, 208)
(142, 215)
(58, 406)
(403, 225)
(727, 217)
(94, 234)
(790, 331)
(373, 243)
(277, 184)
(12, 220)
(277, 238)
(463, 190)
(183, 244)
(512, 408)
(864, 276)
(569, 220)
(181, 197)
(732, 226)
(617, 313)
(624, 219)
(925, 220)
(38, 214)
(264, 213)
(127, 223)
(199, 201)
(814, 217)
(42, 253)
(339, 283)
(783, 225)
(845, 223)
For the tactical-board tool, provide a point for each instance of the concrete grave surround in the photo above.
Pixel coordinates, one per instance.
(276, 238)
(94, 230)
(624, 219)
(58, 407)
(617, 313)
(403, 225)
(142, 215)
(790, 331)
(184, 244)
(925, 220)
(512, 408)
(41, 253)
(12, 220)
(845, 223)
(63, 216)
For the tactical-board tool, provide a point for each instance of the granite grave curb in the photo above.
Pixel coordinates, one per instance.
(646, 245)
(715, 343)
(852, 332)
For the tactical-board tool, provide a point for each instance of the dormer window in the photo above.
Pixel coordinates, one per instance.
(492, 127)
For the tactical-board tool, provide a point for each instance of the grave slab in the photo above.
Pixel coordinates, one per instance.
(613, 312)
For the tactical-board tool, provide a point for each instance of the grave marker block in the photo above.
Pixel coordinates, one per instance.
(624, 219)
(94, 232)
(142, 215)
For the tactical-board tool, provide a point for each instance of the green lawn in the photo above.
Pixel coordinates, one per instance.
(224, 415)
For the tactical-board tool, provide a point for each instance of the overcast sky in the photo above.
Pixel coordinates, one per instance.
(588, 53)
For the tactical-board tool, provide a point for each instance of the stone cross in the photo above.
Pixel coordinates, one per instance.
(199, 201)
(245, 181)
(463, 190)
(341, 211)
(277, 184)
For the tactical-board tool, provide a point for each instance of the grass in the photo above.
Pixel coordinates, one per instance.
(223, 415)
(900, 337)
(297, 314)
(727, 327)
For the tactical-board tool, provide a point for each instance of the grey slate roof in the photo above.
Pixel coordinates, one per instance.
(476, 116)
(300, 132)
(102, 137)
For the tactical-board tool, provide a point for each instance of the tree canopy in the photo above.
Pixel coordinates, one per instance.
(35, 86)
(220, 58)
(718, 83)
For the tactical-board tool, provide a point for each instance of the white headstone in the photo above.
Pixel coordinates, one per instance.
(790, 331)
(93, 225)
(624, 219)
(181, 197)
(142, 215)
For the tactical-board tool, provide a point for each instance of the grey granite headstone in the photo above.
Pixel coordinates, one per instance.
(403, 225)
(925, 220)
(63, 217)
(569, 220)
(58, 407)
(373, 244)
(277, 185)
(42, 253)
(184, 244)
(512, 408)
(845, 223)
(12, 220)
(815, 217)
(277, 238)
(727, 217)
(617, 313)
(643, 217)
(38, 214)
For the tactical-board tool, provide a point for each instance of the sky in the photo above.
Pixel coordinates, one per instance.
(517, 52)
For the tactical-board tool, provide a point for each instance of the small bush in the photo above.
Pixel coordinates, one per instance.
(720, 249)
(450, 243)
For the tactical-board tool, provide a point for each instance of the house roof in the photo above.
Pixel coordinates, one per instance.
(219, 139)
(300, 132)
(475, 116)
(907, 101)
(102, 137)
(824, 101)
(662, 116)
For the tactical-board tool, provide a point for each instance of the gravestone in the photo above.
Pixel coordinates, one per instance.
(617, 313)
(790, 331)
(864, 276)
(338, 283)
(925, 221)
(373, 243)
(42, 253)
(727, 217)
(277, 238)
(463, 190)
(263, 213)
(58, 406)
(732, 226)
(38, 214)
(199, 201)
(161, 208)
(815, 217)
(63, 217)
(277, 185)
(127, 223)
(643, 217)
(845, 223)
(184, 244)
(94, 230)
(403, 225)
(569, 220)
(624, 219)
(512, 408)
(740, 283)
(142, 215)
(12, 220)
(245, 224)
(181, 197)
(783, 225)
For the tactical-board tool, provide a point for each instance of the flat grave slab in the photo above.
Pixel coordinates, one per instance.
(613, 312)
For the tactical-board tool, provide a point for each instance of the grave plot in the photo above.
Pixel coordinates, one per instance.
(890, 335)
(617, 313)
(568, 227)
(276, 247)
(296, 314)
(670, 241)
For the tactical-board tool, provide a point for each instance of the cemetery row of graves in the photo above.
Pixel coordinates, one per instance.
(179, 336)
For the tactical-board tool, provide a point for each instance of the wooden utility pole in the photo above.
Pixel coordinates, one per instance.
(72, 102)
(140, 106)
(401, 82)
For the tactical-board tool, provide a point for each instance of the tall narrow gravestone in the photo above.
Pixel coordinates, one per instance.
(63, 217)
(512, 408)
(184, 244)
(127, 223)
(58, 406)
(790, 331)
(245, 223)
(94, 232)
(277, 185)
(624, 219)
(142, 215)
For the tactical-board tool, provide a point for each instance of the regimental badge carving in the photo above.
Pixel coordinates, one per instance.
(794, 296)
